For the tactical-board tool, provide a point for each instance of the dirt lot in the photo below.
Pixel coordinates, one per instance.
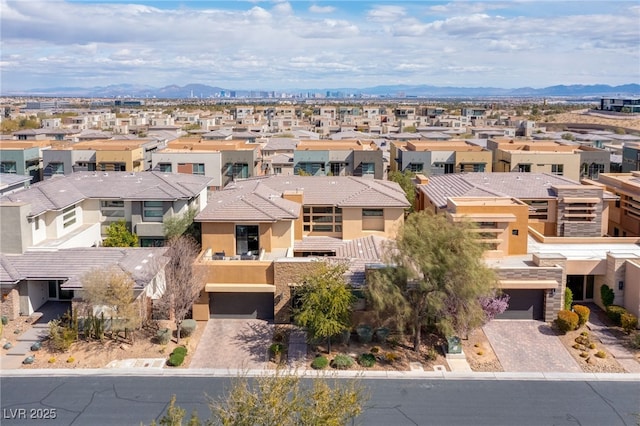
(575, 117)
(97, 354)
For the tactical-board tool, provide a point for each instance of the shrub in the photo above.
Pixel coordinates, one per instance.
(568, 299)
(320, 363)
(601, 354)
(276, 348)
(480, 353)
(635, 341)
(431, 354)
(61, 337)
(51, 360)
(391, 357)
(584, 333)
(629, 322)
(567, 321)
(342, 362)
(584, 354)
(180, 350)
(592, 346)
(71, 360)
(163, 336)
(583, 340)
(583, 314)
(187, 327)
(176, 359)
(576, 346)
(614, 312)
(607, 295)
(367, 360)
(375, 349)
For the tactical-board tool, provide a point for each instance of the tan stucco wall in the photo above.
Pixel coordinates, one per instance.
(352, 223)
(632, 288)
(474, 157)
(586, 267)
(240, 272)
(123, 156)
(219, 237)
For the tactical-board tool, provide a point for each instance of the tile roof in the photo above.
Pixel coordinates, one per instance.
(71, 264)
(64, 190)
(518, 185)
(347, 191)
(280, 144)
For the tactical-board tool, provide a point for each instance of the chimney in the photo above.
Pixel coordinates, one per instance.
(421, 179)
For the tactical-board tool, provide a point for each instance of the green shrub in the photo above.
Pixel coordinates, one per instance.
(601, 354)
(180, 350)
(342, 362)
(276, 348)
(584, 354)
(567, 321)
(583, 340)
(187, 327)
(568, 299)
(607, 295)
(614, 312)
(635, 341)
(176, 359)
(391, 357)
(5, 320)
(583, 314)
(367, 360)
(592, 345)
(320, 363)
(629, 322)
(61, 337)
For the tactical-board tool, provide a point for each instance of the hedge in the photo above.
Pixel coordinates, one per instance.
(629, 322)
(567, 321)
(583, 314)
(614, 312)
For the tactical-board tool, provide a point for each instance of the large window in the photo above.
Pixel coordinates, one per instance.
(524, 168)
(310, 169)
(368, 168)
(152, 211)
(236, 170)
(595, 170)
(164, 167)
(372, 220)
(56, 168)
(415, 167)
(198, 168)
(8, 167)
(112, 209)
(247, 240)
(68, 216)
(322, 219)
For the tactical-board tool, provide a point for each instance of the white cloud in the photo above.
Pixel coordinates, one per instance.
(386, 13)
(314, 8)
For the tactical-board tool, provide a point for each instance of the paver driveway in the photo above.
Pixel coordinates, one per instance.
(529, 346)
(233, 343)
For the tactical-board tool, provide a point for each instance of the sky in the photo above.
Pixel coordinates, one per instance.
(273, 45)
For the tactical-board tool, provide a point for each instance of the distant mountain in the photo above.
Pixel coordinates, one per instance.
(204, 91)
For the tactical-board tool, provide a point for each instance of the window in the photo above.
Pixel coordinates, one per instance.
(322, 219)
(56, 168)
(368, 168)
(277, 170)
(36, 223)
(68, 216)
(198, 168)
(595, 170)
(524, 168)
(152, 211)
(416, 167)
(448, 168)
(164, 167)
(112, 209)
(557, 169)
(372, 220)
(237, 170)
(310, 169)
(336, 168)
(8, 167)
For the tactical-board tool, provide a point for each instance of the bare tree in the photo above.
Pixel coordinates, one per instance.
(184, 281)
(113, 288)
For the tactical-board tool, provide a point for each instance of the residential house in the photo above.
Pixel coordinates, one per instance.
(29, 280)
(23, 157)
(13, 182)
(221, 160)
(624, 211)
(631, 157)
(626, 105)
(69, 211)
(436, 158)
(277, 156)
(259, 235)
(349, 157)
(544, 233)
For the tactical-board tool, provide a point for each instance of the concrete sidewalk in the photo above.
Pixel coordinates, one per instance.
(12, 358)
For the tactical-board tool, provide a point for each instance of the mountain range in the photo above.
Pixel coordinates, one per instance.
(204, 91)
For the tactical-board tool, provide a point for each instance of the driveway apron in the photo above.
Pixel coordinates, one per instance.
(233, 344)
(529, 346)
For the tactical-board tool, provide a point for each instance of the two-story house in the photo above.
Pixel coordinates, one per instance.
(348, 157)
(436, 158)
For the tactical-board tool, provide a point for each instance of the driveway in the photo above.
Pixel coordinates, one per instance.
(233, 344)
(529, 346)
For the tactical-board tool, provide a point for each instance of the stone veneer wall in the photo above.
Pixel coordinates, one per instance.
(616, 270)
(565, 228)
(10, 304)
(285, 274)
(553, 303)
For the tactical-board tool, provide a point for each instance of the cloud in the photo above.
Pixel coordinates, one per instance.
(386, 13)
(314, 8)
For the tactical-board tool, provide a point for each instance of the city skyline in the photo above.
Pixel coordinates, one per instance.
(256, 45)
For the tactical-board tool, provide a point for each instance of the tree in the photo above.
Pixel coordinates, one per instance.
(325, 302)
(118, 235)
(280, 400)
(113, 288)
(182, 225)
(437, 279)
(184, 281)
(405, 180)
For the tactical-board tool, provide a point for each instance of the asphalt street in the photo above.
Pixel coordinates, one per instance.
(129, 400)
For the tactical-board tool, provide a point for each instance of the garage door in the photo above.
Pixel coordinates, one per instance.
(524, 304)
(241, 305)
